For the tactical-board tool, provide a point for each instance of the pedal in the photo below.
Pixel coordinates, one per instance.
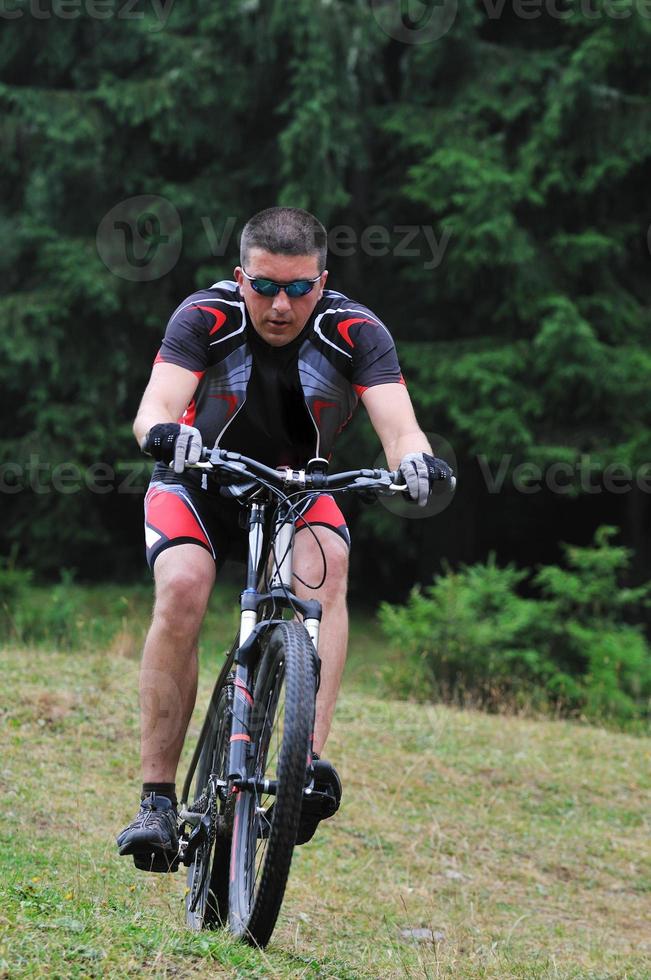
(156, 861)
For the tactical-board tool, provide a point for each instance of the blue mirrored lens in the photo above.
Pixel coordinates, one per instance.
(301, 287)
(267, 287)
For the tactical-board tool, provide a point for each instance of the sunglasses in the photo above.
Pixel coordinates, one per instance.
(267, 287)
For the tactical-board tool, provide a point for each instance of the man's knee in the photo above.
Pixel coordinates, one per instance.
(182, 594)
(309, 565)
(337, 561)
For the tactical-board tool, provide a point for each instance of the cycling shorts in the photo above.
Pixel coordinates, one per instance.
(176, 514)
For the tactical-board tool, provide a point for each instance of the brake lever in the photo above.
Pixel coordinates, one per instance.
(451, 482)
(380, 486)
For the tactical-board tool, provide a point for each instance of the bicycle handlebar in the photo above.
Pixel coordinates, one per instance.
(241, 468)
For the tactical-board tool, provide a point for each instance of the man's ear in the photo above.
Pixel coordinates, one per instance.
(237, 272)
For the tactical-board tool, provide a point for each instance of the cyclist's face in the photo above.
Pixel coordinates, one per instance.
(279, 319)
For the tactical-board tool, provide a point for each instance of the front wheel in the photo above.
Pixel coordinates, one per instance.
(265, 824)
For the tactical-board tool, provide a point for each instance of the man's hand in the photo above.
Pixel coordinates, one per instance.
(173, 442)
(420, 472)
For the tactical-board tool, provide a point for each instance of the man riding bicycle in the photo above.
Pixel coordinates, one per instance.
(271, 365)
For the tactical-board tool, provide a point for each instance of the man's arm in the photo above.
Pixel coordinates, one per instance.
(166, 397)
(392, 416)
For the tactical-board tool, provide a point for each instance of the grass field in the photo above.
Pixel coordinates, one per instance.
(467, 845)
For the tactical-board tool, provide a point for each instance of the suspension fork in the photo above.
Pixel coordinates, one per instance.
(240, 740)
(283, 569)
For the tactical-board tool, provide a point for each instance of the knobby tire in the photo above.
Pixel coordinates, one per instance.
(283, 722)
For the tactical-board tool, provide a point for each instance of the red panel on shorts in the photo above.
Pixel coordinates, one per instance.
(323, 511)
(168, 513)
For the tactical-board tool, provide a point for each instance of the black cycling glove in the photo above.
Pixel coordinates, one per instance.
(173, 442)
(420, 472)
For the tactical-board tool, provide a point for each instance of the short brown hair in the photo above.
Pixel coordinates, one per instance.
(285, 231)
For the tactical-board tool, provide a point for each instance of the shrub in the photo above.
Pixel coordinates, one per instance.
(13, 587)
(64, 616)
(471, 634)
(50, 615)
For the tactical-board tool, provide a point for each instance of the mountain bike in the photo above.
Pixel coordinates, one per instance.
(252, 762)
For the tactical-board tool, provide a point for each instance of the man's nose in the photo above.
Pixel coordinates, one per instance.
(281, 302)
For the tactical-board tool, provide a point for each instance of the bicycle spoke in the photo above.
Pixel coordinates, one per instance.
(206, 901)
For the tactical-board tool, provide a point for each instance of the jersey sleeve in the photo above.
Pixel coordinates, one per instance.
(186, 340)
(375, 359)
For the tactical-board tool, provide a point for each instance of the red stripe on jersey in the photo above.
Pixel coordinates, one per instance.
(167, 512)
(360, 389)
(189, 414)
(344, 326)
(219, 315)
(159, 359)
(232, 402)
(319, 406)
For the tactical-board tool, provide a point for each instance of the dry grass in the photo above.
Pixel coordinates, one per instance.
(522, 846)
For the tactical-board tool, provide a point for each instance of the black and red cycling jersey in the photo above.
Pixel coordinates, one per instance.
(300, 395)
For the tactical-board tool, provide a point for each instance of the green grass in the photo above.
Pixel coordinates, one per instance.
(523, 845)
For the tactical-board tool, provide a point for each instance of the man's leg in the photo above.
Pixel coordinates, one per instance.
(333, 636)
(184, 577)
